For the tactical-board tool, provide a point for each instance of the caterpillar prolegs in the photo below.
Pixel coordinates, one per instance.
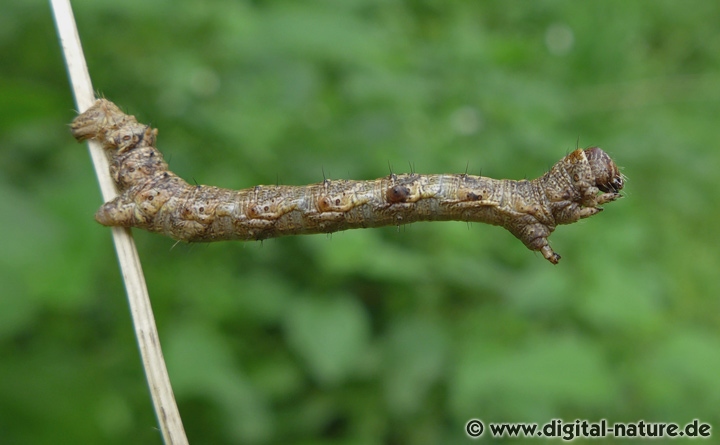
(155, 199)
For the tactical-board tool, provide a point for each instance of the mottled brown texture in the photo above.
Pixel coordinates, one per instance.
(155, 199)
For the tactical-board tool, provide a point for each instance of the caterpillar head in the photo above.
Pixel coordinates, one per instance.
(607, 175)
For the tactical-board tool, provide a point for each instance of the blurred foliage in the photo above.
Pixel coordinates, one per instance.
(378, 336)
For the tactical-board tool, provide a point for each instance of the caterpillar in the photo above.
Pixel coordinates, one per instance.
(155, 199)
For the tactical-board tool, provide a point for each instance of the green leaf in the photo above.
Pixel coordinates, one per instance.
(330, 334)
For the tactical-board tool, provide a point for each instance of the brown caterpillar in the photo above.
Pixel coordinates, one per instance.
(155, 199)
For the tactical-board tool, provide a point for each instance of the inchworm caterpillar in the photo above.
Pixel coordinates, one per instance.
(155, 199)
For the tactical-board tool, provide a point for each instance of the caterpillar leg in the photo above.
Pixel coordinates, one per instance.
(604, 198)
(550, 254)
(118, 212)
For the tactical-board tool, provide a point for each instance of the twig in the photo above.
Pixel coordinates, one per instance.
(138, 298)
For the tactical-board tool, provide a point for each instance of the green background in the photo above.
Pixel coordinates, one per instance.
(380, 336)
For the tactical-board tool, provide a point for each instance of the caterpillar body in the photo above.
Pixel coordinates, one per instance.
(154, 198)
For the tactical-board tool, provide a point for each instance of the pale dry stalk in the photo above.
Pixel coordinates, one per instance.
(146, 333)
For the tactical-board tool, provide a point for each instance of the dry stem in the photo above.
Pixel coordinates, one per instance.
(145, 330)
